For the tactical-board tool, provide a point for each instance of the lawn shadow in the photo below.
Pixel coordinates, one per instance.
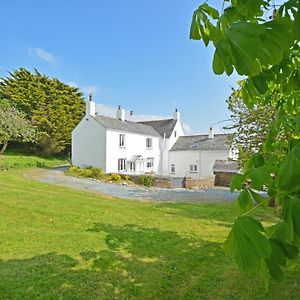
(139, 263)
(222, 212)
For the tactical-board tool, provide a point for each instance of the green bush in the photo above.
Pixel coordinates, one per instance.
(115, 177)
(146, 180)
(88, 172)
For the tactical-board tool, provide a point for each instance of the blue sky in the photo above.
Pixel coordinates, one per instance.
(133, 53)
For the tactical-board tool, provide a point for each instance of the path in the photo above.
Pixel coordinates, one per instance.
(57, 176)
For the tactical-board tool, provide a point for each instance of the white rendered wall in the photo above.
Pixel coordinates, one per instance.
(135, 144)
(167, 144)
(203, 159)
(88, 144)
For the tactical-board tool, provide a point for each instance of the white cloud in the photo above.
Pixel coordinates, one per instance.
(42, 54)
(90, 89)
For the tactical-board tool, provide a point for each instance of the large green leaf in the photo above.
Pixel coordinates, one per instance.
(288, 179)
(247, 244)
(245, 200)
(237, 182)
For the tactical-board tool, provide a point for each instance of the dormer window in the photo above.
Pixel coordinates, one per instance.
(149, 143)
(122, 141)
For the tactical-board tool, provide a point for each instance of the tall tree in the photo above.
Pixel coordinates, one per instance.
(54, 107)
(261, 42)
(13, 126)
(250, 126)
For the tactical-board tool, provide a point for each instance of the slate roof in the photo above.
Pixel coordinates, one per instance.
(226, 166)
(127, 126)
(201, 142)
(165, 126)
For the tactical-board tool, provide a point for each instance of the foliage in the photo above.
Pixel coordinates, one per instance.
(65, 242)
(89, 172)
(146, 180)
(17, 160)
(250, 126)
(52, 106)
(262, 43)
(115, 177)
(13, 126)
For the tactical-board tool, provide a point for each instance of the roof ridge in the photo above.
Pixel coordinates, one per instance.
(157, 120)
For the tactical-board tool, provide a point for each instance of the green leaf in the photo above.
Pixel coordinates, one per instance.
(260, 84)
(258, 160)
(258, 198)
(296, 214)
(209, 10)
(245, 200)
(237, 182)
(218, 66)
(288, 179)
(247, 244)
(194, 31)
(276, 260)
(259, 177)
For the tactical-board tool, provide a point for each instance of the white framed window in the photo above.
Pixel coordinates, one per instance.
(132, 166)
(150, 162)
(193, 169)
(149, 143)
(122, 164)
(173, 169)
(122, 141)
(175, 133)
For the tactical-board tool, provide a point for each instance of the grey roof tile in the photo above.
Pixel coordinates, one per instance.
(165, 126)
(226, 166)
(127, 126)
(202, 142)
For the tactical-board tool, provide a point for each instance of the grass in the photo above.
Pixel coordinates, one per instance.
(58, 243)
(15, 159)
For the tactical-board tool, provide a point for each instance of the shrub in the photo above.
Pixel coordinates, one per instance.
(146, 180)
(115, 177)
(88, 172)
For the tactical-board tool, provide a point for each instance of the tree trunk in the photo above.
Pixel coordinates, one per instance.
(3, 148)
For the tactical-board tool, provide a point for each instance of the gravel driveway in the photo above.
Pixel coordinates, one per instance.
(57, 176)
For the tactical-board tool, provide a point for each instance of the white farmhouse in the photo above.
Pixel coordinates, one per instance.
(120, 146)
(160, 147)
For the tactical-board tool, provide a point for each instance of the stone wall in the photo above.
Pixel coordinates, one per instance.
(207, 182)
(162, 182)
(159, 181)
(223, 178)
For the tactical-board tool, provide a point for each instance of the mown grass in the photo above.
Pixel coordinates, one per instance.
(58, 243)
(16, 159)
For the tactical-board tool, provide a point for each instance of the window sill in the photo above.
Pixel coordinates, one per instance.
(122, 147)
(193, 171)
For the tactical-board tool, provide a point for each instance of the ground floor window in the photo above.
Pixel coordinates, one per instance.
(172, 168)
(193, 168)
(122, 164)
(150, 162)
(132, 166)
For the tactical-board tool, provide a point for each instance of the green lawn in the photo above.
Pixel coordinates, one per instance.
(16, 159)
(58, 243)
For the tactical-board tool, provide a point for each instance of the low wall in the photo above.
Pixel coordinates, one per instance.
(223, 178)
(207, 182)
(158, 181)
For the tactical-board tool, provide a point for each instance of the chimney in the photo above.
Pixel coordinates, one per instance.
(90, 106)
(210, 133)
(120, 113)
(176, 115)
